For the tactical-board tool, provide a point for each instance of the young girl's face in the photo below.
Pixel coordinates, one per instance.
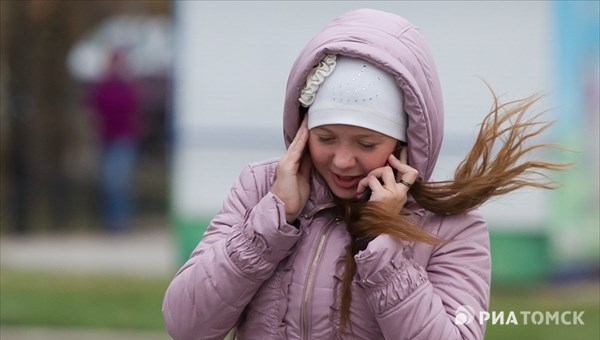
(345, 154)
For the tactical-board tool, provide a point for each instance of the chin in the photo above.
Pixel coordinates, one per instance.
(344, 194)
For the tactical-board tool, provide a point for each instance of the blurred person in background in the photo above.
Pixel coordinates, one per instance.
(347, 235)
(116, 102)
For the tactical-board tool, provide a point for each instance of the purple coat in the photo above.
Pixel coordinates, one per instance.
(116, 102)
(254, 272)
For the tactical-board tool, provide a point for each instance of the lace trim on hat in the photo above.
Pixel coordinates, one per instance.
(315, 79)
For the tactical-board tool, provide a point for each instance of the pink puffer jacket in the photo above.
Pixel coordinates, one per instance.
(257, 274)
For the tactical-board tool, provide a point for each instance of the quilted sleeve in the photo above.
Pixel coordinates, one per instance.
(240, 249)
(413, 302)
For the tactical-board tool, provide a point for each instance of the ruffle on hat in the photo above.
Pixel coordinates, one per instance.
(315, 79)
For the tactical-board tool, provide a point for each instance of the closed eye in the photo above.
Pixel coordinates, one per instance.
(367, 146)
(325, 139)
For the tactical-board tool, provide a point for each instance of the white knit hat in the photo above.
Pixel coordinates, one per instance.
(344, 90)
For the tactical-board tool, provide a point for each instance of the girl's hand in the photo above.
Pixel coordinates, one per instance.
(292, 185)
(385, 186)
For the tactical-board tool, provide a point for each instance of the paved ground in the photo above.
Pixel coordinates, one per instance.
(150, 252)
(147, 253)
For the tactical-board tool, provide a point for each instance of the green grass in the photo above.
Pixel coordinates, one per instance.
(35, 299)
(92, 301)
(581, 298)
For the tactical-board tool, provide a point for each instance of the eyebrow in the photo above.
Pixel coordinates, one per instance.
(367, 135)
(322, 128)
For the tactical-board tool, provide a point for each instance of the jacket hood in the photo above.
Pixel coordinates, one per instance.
(393, 44)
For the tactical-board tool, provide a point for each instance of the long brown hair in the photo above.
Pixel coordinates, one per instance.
(484, 173)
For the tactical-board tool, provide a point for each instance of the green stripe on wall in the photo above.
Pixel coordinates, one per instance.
(517, 257)
(188, 232)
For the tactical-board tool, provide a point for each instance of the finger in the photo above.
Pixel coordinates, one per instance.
(304, 121)
(404, 155)
(301, 129)
(388, 178)
(297, 146)
(362, 185)
(301, 134)
(377, 172)
(388, 170)
(296, 149)
(403, 169)
(374, 183)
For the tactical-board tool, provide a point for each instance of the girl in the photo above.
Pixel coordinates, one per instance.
(346, 235)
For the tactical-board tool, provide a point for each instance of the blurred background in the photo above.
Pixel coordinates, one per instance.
(124, 124)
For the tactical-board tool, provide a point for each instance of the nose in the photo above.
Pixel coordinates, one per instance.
(343, 159)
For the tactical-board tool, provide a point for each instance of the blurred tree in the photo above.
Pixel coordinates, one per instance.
(17, 77)
(39, 124)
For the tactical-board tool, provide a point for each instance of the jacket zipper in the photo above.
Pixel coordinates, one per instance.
(310, 278)
(318, 209)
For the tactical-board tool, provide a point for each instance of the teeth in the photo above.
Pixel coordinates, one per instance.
(347, 177)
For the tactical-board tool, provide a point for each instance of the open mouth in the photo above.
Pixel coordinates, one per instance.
(346, 182)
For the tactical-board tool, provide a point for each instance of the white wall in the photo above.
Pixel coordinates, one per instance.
(233, 58)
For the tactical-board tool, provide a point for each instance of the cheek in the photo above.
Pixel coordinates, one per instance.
(317, 153)
(375, 160)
